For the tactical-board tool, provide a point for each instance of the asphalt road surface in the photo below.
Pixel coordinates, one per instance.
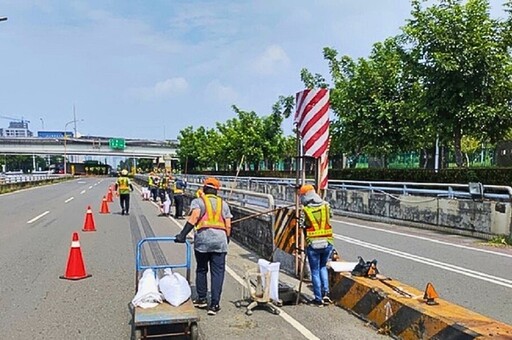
(463, 270)
(36, 227)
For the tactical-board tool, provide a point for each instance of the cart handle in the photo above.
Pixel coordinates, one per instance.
(138, 256)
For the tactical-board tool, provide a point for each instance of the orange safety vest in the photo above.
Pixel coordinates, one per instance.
(211, 218)
(317, 223)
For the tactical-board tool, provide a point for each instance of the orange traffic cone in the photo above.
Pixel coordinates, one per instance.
(104, 206)
(430, 295)
(75, 269)
(109, 195)
(89, 221)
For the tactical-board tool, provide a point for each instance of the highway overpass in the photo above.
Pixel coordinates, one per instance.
(136, 148)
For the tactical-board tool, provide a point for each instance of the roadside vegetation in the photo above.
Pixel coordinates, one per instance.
(445, 80)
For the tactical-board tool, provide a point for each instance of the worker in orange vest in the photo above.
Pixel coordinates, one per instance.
(211, 218)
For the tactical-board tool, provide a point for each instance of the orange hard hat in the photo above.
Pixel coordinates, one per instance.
(305, 188)
(212, 182)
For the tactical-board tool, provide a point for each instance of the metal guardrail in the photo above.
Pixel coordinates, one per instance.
(243, 198)
(448, 190)
(22, 178)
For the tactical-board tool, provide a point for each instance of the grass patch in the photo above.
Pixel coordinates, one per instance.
(500, 241)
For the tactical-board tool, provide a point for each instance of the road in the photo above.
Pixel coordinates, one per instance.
(463, 270)
(35, 238)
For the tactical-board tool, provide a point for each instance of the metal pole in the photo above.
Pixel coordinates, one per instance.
(74, 121)
(436, 160)
(298, 163)
(65, 152)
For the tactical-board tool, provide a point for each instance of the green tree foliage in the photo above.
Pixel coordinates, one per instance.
(462, 58)
(375, 102)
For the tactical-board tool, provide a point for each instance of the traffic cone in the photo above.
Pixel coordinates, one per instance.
(75, 269)
(104, 206)
(109, 196)
(89, 221)
(430, 295)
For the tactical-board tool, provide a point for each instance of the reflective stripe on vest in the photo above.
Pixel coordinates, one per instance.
(123, 183)
(212, 219)
(318, 227)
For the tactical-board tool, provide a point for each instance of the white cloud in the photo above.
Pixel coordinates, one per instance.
(271, 60)
(162, 89)
(221, 93)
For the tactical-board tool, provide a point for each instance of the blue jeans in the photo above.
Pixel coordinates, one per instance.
(318, 264)
(217, 264)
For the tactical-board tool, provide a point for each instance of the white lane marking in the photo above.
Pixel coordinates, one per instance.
(424, 238)
(69, 199)
(38, 217)
(91, 187)
(295, 324)
(82, 192)
(442, 265)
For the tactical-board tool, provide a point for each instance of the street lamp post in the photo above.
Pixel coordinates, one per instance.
(65, 138)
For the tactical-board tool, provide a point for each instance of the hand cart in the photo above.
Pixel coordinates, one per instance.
(164, 320)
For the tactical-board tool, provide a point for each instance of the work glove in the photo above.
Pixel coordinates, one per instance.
(180, 238)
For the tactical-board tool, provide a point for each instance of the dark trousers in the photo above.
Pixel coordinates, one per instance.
(178, 203)
(154, 193)
(124, 199)
(217, 264)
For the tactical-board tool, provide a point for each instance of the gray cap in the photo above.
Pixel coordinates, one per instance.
(311, 197)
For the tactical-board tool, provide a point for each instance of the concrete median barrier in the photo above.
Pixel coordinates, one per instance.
(400, 311)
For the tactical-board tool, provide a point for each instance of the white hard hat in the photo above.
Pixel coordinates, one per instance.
(124, 172)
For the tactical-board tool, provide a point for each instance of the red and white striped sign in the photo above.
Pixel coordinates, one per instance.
(312, 119)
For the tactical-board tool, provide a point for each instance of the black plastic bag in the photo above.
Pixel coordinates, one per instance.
(363, 267)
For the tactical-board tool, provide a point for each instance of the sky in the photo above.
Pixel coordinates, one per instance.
(150, 68)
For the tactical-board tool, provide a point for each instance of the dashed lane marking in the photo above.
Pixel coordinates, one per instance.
(82, 192)
(69, 199)
(38, 217)
(90, 187)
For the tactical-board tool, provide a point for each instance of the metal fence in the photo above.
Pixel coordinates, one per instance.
(22, 178)
(448, 190)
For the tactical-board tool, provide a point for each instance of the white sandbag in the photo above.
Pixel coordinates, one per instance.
(145, 193)
(166, 206)
(147, 295)
(339, 266)
(273, 268)
(174, 287)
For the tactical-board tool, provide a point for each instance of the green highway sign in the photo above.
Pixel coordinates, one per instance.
(117, 143)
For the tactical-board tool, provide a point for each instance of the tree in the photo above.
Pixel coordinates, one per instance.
(462, 58)
(375, 101)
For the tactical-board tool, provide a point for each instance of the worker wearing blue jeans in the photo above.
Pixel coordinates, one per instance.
(319, 239)
(317, 259)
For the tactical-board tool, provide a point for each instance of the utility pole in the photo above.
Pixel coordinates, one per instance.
(74, 119)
